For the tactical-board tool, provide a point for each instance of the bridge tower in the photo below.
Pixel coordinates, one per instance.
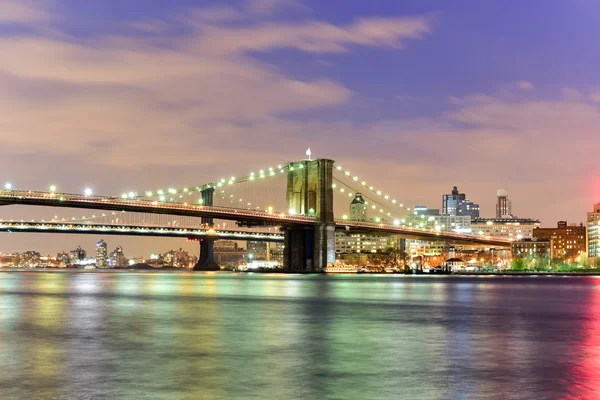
(310, 192)
(206, 261)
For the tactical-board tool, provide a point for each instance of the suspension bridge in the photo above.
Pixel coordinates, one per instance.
(297, 208)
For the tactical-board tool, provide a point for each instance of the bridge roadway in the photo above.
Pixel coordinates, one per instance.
(136, 230)
(64, 200)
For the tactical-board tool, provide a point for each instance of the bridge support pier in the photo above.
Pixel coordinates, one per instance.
(310, 192)
(206, 260)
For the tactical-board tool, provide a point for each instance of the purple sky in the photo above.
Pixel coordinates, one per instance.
(415, 96)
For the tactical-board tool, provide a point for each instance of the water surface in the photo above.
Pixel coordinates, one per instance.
(249, 336)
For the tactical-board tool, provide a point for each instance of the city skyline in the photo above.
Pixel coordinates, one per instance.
(91, 94)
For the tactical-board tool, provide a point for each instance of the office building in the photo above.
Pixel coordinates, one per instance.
(468, 208)
(423, 210)
(117, 258)
(456, 203)
(361, 243)
(508, 228)
(258, 251)
(503, 205)
(101, 254)
(77, 256)
(593, 232)
(568, 240)
(450, 201)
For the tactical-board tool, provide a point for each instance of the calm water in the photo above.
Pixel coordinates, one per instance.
(203, 336)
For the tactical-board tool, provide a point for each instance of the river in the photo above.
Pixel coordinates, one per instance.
(79, 335)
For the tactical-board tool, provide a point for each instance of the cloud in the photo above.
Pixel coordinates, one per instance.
(526, 85)
(313, 36)
(117, 98)
(23, 11)
(595, 96)
(267, 7)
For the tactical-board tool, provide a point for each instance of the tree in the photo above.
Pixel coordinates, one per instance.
(517, 264)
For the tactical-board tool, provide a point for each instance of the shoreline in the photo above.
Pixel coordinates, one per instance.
(158, 270)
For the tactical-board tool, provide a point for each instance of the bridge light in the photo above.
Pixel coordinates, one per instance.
(342, 190)
(185, 189)
(344, 216)
(370, 187)
(124, 196)
(347, 173)
(149, 193)
(379, 192)
(162, 198)
(53, 188)
(88, 191)
(131, 195)
(8, 186)
(396, 222)
(363, 183)
(339, 167)
(394, 201)
(292, 211)
(377, 219)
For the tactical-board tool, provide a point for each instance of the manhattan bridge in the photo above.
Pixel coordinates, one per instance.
(301, 204)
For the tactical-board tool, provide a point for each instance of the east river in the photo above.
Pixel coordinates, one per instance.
(250, 336)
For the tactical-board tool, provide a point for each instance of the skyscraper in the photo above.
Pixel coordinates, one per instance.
(450, 201)
(101, 254)
(503, 205)
(456, 204)
(358, 208)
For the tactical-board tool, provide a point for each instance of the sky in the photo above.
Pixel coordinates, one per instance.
(415, 96)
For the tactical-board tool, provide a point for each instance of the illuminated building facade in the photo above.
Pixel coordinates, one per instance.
(503, 205)
(101, 254)
(508, 228)
(593, 232)
(533, 247)
(568, 240)
(456, 204)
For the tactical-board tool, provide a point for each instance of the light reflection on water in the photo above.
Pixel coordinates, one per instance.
(252, 336)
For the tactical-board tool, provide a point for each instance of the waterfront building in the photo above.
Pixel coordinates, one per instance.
(30, 259)
(63, 259)
(227, 252)
(77, 256)
(541, 247)
(101, 254)
(568, 240)
(117, 258)
(593, 232)
(503, 205)
(361, 243)
(454, 264)
(508, 228)
(258, 250)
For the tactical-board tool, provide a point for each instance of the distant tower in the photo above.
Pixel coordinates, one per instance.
(101, 254)
(503, 205)
(358, 208)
